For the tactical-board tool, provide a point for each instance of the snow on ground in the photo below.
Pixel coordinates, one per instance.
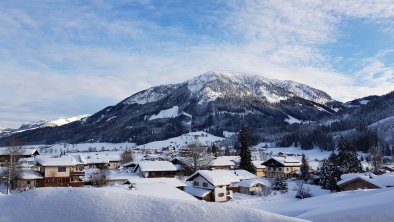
(360, 206)
(228, 134)
(180, 141)
(63, 121)
(118, 204)
(167, 113)
(292, 120)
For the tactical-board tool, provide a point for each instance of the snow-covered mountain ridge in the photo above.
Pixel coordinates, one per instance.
(213, 85)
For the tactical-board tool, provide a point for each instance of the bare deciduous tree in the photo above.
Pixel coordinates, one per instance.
(303, 191)
(99, 177)
(11, 171)
(127, 156)
(196, 157)
(376, 157)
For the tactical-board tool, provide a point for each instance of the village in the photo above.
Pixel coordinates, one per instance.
(205, 172)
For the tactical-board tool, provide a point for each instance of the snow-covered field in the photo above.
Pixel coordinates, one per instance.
(360, 206)
(180, 141)
(118, 204)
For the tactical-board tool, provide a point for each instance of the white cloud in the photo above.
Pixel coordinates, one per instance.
(89, 54)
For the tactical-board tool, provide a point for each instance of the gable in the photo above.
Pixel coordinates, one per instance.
(272, 163)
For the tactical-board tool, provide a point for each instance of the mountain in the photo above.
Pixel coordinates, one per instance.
(42, 123)
(212, 102)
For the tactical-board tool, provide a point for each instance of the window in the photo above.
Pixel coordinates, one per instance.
(28, 182)
(61, 169)
(287, 169)
(280, 169)
(205, 184)
(195, 183)
(220, 194)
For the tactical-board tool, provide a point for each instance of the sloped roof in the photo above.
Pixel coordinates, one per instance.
(93, 158)
(169, 181)
(285, 161)
(258, 164)
(216, 177)
(221, 161)
(382, 181)
(250, 183)
(244, 175)
(197, 192)
(29, 174)
(150, 166)
(66, 160)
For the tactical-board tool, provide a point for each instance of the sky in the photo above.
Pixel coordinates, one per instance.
(61, 58)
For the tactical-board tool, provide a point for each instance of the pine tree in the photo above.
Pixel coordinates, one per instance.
(246, 156)
(347, 158)
(330, 173)
(304, 168)
(281, 185)
(215, 150)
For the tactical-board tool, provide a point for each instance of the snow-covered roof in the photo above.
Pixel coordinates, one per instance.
(258, 164)
(169, 181)
(244, 174)
(29, 174)
(24, 151)
(149, 166)
(251, 183)
(287, 161)
(197, 192)
(216, 177)
(66, 160)
(223, 177)
(382, 181)
(221, 161)
(93, 158)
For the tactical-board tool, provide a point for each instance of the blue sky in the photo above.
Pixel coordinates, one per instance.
(64, 58)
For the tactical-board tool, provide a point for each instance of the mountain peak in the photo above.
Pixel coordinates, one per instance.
(212, 85)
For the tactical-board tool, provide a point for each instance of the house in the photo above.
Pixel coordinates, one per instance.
(252, 186)
(153, 157)
(149, 169)
(101, 160)
(28, 162)
(216, 185)
(388, 168)
(222, 163)
(60, 171)
(354, 181)
(25, 153)
(281, 167)
(259, 168)
(29, 178)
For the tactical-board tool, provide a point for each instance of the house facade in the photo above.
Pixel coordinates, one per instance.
(28, 179)
(281, 167)
(216, 185)
(61, 171)
(25, 153)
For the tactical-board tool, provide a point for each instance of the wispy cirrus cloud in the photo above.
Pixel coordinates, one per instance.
(84, 55)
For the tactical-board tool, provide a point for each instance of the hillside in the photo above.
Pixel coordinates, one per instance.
(213, 102)
(118, 204)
